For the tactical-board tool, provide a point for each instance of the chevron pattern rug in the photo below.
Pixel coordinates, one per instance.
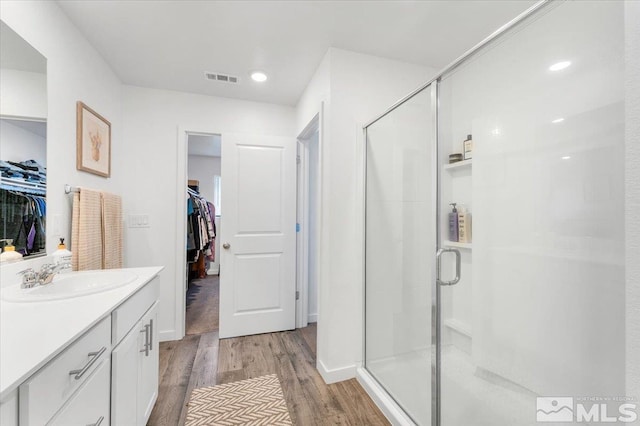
(252, 402)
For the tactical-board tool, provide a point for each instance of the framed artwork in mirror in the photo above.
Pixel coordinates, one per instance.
(93, 152)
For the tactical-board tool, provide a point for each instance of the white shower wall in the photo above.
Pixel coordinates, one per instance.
(546, 289)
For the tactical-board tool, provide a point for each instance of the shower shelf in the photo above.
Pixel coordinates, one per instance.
(457, 245)
(459, 165)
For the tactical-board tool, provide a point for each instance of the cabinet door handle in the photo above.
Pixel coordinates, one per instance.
(150, 334)
(146, 339)
(98, 423)
(94, 357)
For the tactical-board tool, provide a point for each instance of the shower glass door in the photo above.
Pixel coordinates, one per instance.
(400, 250)
(534, 330)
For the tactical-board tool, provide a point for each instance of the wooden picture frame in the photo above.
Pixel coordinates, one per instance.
(93, 139)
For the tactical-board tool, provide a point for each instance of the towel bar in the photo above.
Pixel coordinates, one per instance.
(68, 189)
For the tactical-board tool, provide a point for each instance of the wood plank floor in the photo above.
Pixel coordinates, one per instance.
(202, 305)
(200, 359)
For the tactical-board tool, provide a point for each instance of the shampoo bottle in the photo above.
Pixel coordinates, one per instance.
(9, 254)
(453, 224)
(468, 148)
(62, 255)
(464, 226)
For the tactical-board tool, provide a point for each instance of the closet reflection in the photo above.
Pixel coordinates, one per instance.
(23, 144)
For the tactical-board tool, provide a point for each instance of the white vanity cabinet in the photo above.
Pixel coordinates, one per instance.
(134, 374)
(90, 406)
(106, 376)
(149, 366)
(64, 378)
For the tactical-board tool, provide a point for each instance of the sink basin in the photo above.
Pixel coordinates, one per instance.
(74, 284)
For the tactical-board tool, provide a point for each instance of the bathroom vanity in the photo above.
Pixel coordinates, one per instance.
(84, 353)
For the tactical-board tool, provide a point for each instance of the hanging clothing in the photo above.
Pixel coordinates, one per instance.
(24, 220)
(211, 253)
(201, 231)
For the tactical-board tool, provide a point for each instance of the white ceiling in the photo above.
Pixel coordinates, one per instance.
(17, 54)
(205, 145)
(170, 44)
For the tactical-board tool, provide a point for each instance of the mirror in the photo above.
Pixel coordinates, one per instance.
(23, 144)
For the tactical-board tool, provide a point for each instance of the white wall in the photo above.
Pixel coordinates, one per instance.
(151, 119)
(632, 230)
(203, 168)
(75, 71)
(360, 86)
(318, 90)
(24, 94)
(18, 144)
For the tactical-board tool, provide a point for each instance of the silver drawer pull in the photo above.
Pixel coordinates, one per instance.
(151, 334)
(146, 339)
(94, 357)
(98, 423)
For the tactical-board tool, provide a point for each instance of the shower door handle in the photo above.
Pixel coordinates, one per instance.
(439, 266)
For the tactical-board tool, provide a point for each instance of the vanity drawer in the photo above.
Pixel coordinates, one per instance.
(129, 313)
(90, 406)
(46, 391)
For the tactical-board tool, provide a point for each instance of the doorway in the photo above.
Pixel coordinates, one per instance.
(204, 210)
(307, 224)
(257, 247)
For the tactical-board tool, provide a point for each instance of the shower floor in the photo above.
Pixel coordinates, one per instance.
(468, 398)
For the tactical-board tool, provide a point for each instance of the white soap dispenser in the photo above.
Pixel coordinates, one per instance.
(9, 254)
(62, 255)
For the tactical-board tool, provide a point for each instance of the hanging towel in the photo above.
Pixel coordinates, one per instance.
(111, 231)
(86, 231)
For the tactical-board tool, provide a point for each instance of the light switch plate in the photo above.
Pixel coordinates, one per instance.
(138, 221)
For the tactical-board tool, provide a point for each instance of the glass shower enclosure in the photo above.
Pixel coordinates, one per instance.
(517, 317)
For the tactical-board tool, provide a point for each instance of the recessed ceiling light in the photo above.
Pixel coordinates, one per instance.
(566, 157)
(559, 66)
(258, 76)
(558, 120)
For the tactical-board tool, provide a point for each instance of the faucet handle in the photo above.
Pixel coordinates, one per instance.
(47, 268)
(29, 278)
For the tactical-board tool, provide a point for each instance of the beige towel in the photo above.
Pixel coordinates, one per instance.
(111, 231)
(86, 231)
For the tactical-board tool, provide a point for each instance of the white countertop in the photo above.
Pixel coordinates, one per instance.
(31, 334)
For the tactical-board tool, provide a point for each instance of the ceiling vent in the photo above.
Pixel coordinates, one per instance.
(223, 78)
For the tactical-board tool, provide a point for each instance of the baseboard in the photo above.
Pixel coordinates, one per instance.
(167, 336)
(385, 403)
(214, 270)
(312, 318)
(337, 374)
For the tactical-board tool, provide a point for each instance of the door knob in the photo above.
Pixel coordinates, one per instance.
(226, 246)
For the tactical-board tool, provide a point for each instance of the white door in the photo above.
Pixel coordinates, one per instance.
(258, 255)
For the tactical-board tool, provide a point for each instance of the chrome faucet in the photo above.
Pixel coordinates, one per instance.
(31, 278)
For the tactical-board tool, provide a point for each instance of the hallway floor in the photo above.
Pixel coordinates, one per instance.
(200, 359)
